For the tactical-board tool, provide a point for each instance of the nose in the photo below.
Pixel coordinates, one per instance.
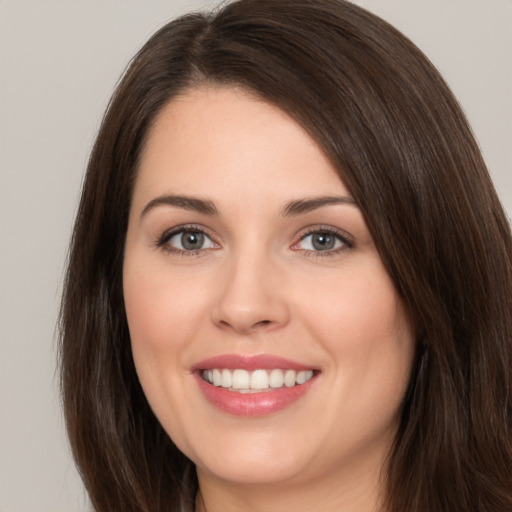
(251, 297)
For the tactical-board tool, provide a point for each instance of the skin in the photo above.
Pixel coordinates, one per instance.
(258, 286)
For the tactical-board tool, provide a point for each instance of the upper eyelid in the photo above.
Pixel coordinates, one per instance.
(311, 230)
(169, 233)
(346, 241)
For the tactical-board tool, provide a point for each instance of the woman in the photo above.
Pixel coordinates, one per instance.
(290, 279)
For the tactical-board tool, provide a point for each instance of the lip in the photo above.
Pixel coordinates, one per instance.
(251, 404)
(249, 363)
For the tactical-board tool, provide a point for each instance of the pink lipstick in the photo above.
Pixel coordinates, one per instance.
(252, 385)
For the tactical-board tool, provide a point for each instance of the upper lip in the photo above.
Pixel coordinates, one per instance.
(249, 362)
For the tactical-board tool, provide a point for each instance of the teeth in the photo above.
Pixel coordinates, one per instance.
(243, 381)
(216, 378)
(276, 379)
(289, 378)
(240, 379)
(226, 379)
(259, 380)
(301, 377)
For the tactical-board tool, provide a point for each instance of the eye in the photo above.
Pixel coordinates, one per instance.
(325, 241)
(186, 240)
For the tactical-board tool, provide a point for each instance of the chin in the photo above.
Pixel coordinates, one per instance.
(246, 460)
(253, 472)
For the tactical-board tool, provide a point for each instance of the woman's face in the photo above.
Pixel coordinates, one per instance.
(268, 337)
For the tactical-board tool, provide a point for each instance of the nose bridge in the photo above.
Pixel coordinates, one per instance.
(250, 297)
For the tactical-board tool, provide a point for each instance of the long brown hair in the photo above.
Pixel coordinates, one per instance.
(402, 145)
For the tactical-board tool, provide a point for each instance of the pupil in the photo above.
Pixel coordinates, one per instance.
(191, 240)
(323, 241)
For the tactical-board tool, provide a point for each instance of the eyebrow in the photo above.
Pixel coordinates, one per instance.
(309, 204)
(195, 204)
(207, 207)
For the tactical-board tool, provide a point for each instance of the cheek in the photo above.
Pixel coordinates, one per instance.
(162, 310)
(359, 303)
(362, 323)
(161, 307)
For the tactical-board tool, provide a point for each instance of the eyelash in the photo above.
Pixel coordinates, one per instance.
(340, 236)
(162, 242)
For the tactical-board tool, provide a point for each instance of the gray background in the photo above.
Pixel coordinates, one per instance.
(59, 62)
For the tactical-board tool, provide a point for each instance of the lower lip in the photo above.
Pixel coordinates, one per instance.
(252, 404)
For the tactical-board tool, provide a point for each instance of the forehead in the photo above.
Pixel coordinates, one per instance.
(226, 142)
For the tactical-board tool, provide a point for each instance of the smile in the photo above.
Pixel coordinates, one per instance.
(256, 381)
(253, 385)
